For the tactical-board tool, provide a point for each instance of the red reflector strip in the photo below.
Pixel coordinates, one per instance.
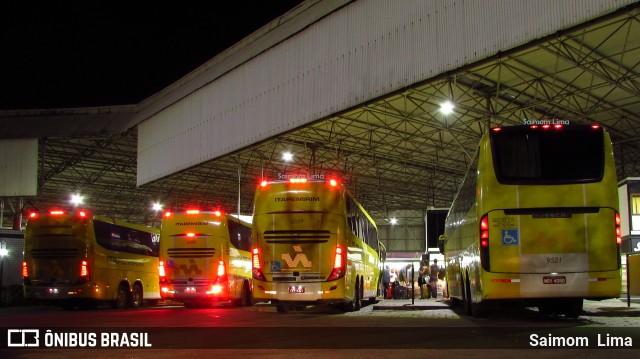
(193, 211)
(506, 280)
(297, 180)
(56, 213)
(597, 279)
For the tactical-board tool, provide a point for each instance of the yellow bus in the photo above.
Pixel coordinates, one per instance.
(313, 244)
(76, 259)
(205, 258)
(536, 221)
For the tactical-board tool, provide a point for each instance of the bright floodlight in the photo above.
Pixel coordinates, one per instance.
(3, 252)
(446, 108)
(76, 199)
(287, 156)
(394, 221)
(157, 207)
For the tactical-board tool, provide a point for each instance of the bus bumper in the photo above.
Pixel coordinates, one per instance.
(596, 285)
(216, 292)
(61, 292)
(317, 292)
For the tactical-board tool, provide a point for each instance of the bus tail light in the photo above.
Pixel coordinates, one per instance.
(25, 271)
(255, 263)
(164, 284)
(297, 180)
(217, 213)
(84, 271)
(33, 215)
(222, 272)
(339, 265)
(193, 211)
(484, 231)
(56, 212)
(167, 214)
(264, 184)
(618, 229)
(484, 242)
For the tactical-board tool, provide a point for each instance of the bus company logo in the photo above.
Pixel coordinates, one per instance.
(300, 257)
(297, 199)
(192, 269)
(192, 223)
(21, 338)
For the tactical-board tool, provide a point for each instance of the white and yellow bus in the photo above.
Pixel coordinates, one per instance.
(76, 259)
(205, 258)
(313, 244)
(536, 221)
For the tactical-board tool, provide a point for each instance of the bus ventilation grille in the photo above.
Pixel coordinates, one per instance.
(296, 236)
(191, 252)
(54, 253)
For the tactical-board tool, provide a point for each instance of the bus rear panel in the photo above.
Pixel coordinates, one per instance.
(57, 258)
(551, 207)
(297, 228)
(536, 219)
(199, 264)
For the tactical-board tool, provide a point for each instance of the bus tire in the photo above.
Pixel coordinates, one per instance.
(466, 296)
(136, 296)
(573, 308)
(357, 293)
(281, 308)
(123, 298)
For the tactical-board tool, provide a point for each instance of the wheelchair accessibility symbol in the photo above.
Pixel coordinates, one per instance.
(510, 237)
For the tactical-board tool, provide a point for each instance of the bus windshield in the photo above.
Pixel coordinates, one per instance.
(523, 155)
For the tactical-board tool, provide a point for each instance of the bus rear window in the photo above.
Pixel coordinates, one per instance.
(572, 154)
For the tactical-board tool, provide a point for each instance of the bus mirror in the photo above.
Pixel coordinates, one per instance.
(441, 241)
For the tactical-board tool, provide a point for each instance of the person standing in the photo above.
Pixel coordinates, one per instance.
(434, 271)
(386, 279)
(422, 280)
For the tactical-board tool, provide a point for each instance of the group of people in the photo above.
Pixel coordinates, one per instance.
(395, 282)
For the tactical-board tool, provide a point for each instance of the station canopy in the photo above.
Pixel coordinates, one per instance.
(398, 154)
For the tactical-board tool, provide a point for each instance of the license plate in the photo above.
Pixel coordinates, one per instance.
(296, 289)
(554, 280)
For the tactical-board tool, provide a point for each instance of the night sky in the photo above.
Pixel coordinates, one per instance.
(57, 54)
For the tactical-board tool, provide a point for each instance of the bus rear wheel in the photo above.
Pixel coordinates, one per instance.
(123, 299)
(357, 301)
(281, 308)
(136, 297)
